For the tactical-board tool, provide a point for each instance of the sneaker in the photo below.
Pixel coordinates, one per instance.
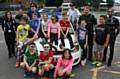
(83, 62)
(94, 62)
(17, 65)
(45, 78)
(99, 64)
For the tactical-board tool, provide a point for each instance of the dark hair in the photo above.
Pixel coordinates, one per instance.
(5, 17)
(79, 22)
(24, 18)
(56, 17)
(64, 51)
(33, 4)
(104, 16)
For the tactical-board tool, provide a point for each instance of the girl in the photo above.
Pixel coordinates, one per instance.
(54, 30)
(65, 26)
(64, 65)
(44, 24)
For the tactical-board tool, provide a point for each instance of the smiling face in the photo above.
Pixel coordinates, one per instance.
(46, 48)
(9, 15)
(66, 54)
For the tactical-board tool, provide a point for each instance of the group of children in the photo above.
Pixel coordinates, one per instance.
(30, 30)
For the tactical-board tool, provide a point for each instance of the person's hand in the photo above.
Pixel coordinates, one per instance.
(85, 46)
(105, 45)
(45, 35)
(65, 36)
(35, 36)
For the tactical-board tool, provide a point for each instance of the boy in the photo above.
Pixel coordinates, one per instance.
(21, 37)
(30, 59)
(82, 36)
(101, 39)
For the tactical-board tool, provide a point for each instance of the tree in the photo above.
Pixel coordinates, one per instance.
(56, 3)
(110, 3)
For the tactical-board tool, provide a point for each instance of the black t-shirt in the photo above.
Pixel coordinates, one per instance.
(112, 23)
(101, 32)
(91, 21)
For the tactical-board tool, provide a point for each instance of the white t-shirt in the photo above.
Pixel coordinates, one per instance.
(44, 25)
(73, 14)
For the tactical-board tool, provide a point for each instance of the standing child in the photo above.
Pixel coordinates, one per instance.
(82, 35)
(21, 37)
(101, 39)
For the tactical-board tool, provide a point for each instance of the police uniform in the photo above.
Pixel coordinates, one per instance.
(113, 25)
(91, 21)
(9, 28)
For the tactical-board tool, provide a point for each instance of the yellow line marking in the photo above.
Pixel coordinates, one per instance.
(94, 73)
(113, 72)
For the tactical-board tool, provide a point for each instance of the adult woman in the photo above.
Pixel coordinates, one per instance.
(9, 28)
(64, 65)
(54, 30)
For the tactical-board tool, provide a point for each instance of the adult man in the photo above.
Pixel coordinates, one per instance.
(91, 21)
(113, 24)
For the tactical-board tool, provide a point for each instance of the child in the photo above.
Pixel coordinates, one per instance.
(65, 26)
(54, 30)
(46, 62)
(82, 35)
(64, 65)
(21, 37)
(30, 59)
(44, 24)
(101, 39)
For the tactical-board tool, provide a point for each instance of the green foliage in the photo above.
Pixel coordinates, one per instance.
(110, 3)
(56, 3)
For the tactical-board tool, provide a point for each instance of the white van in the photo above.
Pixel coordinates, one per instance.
(65, 7)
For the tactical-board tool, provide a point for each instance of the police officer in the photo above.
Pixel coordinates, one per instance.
(113, 25)
(91, 21)
(9, 26)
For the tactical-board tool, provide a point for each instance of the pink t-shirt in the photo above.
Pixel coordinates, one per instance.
(66, 64)
(54, 28)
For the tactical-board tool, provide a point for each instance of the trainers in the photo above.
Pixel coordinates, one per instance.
(94, 62)
(99, 64)
(45, 78)
(83, 62)
(17, 65)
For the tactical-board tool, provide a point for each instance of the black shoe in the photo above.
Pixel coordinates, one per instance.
(109, 64)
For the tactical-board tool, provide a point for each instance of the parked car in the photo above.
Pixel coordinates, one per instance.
(51, 11)
(76, 53)
(117, 15)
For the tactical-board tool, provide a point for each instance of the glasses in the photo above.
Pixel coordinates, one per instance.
(46, 47)
(32, 46)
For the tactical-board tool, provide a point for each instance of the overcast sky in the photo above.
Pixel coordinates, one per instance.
(117, 1)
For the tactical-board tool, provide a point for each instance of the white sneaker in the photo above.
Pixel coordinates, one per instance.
(83, 62)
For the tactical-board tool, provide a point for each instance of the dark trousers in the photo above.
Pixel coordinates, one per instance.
(111, 44)
(54, 37)
(10, 42)
(90, 46)
(84, 50)
(69, 38)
